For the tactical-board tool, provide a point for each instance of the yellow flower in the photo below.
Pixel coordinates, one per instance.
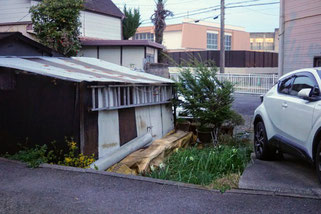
(67, 160)
(73, 145)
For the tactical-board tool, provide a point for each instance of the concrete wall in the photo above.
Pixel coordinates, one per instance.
(302, 30)
(195, 37)
(158, 117)
(100, 26)
(192, 36)
(173, 39)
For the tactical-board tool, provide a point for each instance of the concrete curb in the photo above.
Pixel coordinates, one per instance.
(165, 182)
(130, 177)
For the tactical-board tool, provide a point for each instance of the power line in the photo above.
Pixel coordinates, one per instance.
(215, 8)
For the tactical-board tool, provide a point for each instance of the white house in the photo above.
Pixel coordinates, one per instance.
(101, 32)
(300, 30)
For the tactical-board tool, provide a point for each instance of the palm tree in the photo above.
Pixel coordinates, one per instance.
(131, 22)
(158, 19)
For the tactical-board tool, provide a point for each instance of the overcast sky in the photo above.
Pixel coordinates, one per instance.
(263, 18)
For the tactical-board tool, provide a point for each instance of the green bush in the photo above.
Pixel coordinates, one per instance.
(203, 166)
(33, 156)
(205, 97)
(41, 154)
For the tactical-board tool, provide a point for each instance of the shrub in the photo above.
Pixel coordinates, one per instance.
(33, 156)
(40, 154)
(205, 97)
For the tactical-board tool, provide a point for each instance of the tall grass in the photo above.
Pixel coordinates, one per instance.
(203, 166)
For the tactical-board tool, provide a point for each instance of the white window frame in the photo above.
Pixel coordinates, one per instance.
(228, 42)
(144, 36)
(212, 40)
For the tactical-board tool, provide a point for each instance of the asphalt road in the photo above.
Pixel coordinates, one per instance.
(44, 190)
(245, 104)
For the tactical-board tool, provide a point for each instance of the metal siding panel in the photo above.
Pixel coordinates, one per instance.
(156, 118)
(302, 43)
(108, 132)
(143, 120)
(167, 119)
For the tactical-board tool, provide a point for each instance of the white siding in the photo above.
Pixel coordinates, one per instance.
(133, 57)
(302, 40)
(173, 40)
(110, 54)
(100, 26)
(14, 11)
(108, 132)
(88, 52)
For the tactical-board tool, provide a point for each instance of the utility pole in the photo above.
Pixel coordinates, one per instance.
(222, 48)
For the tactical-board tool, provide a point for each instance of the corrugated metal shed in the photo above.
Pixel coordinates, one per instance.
(79, 69)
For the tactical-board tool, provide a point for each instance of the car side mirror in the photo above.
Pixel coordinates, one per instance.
(305, 93)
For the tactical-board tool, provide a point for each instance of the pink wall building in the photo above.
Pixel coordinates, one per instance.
(195, 36)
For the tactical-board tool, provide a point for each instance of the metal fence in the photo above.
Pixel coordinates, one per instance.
(246, 83)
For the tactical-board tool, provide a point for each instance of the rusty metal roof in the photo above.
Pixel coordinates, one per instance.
(80, 69)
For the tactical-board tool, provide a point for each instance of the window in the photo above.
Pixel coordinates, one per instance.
(285, 85)
(212, 41)
(317, 61)
(144, 36)
(228, 42)
(269, 46)
(302, 82)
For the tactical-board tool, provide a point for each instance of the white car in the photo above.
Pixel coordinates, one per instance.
(289, 118)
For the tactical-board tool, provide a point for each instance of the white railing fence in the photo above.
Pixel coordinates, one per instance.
(246, 83)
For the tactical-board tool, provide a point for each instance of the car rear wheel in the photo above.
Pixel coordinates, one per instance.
(318, 161)
(260, 142)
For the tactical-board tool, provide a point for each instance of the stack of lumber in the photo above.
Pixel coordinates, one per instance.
(140, 162)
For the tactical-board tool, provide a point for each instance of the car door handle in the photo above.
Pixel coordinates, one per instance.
(284, 105)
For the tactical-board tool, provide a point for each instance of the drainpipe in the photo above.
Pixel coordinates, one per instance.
(281, 38)
(130, 147)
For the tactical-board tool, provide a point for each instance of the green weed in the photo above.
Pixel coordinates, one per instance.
(203, 166)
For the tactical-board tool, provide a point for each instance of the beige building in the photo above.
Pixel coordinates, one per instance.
(268, 42)
(194, 35)
(300, 35)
